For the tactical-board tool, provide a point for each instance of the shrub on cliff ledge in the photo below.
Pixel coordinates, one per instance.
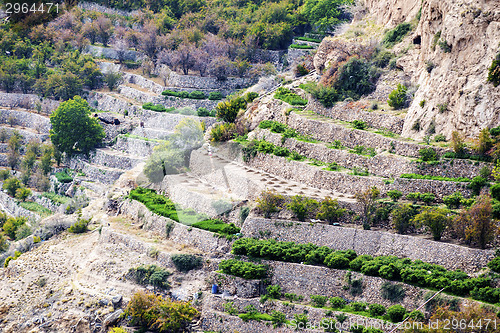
(494, 71)
(397, 97)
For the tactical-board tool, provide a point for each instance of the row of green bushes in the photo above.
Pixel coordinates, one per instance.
(307, 39)
(163, 206)
(201, 112)
(301, 46)
(243, 269)
(429, 177)
(388, 267)
(214, 95)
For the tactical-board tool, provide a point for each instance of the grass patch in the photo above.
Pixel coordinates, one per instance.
(56, 198)
(307, 39)
(289, 97)
(184, 94)
(35, 208)
(165, 207)
(301, 46)
(446, 179)
(63, 177)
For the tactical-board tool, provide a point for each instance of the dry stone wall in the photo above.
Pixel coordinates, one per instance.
(329, 131)
(213, 304)
(27, 101)
(384, 165)
(26, 119)
(27, 135)
(346, 183)
(208, 83)
(10, 205)
(343, 112)
(374, 243)
(136, 147)
(110, 53)
(205, 241)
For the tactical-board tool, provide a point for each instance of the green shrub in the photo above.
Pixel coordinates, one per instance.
(11, 185)
(278, 318)
(358, 306)
(357, 328)
(150, 275)
(319, 300)
(301, 319)
(243, 269)
(382, 59)
(494, 71)
(223, 132)
(326, 95)
(215, 95)
(301, 206)
(416, 176)
(495, 191)
(330, 210)
(293, 297)
(337, 302)
(396, 313)
(63, 177)
(416, 315)
(402, 216)
(439, 138)
(397, 97)
(228, 110)
(477, 183)
(428, 154)
(217, 226)
(355, 78)
(289, 97)
(274, 291)
(80, 226)
(186, 262)
(414, 196)
(154, 107)
(358, 124)
(328, 325)
(427, 198)
(229, 308)
(494, 265)
(197, 95)
(336, 260)
(396, 35)
(395, 195)
(376, 310)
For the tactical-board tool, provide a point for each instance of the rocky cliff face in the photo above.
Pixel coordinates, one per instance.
(459, 80)
(456, 91)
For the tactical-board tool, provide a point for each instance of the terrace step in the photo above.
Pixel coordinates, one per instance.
(115, 159)
(140, 146)
(152, 133)
(248, 182)
(28, 134)
(383, 164)
(329, 130)
(26, 119)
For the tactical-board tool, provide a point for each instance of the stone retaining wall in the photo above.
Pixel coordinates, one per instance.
(143, 82)
(109, 103)
(374, 243)
(137, 147)
(27, 101)
(108, 159)
(94, 172)
(346, 183)
(199, 82)
(10, 205)
(168, 101)
(26, 119)
(110, 53)
(373, 119)
(214, 304)
(205, 241)
(384, 165)
(27, 135)
(328, 131)
(295, 55)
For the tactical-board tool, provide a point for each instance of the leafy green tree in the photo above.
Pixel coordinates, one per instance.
(355, 78)
(484, 142)
(367, 200)
(301, 206)
(46, 160)
(23, 193)
(73, 129)
(330, 210)
(397, 97)
(11, 185)
(402, 216)
(113, 80)
(325, 14)
(228, 110)
(436, 219)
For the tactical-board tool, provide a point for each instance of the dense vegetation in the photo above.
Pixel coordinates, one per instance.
(243, 269)
(163, 206)
(388, 267)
